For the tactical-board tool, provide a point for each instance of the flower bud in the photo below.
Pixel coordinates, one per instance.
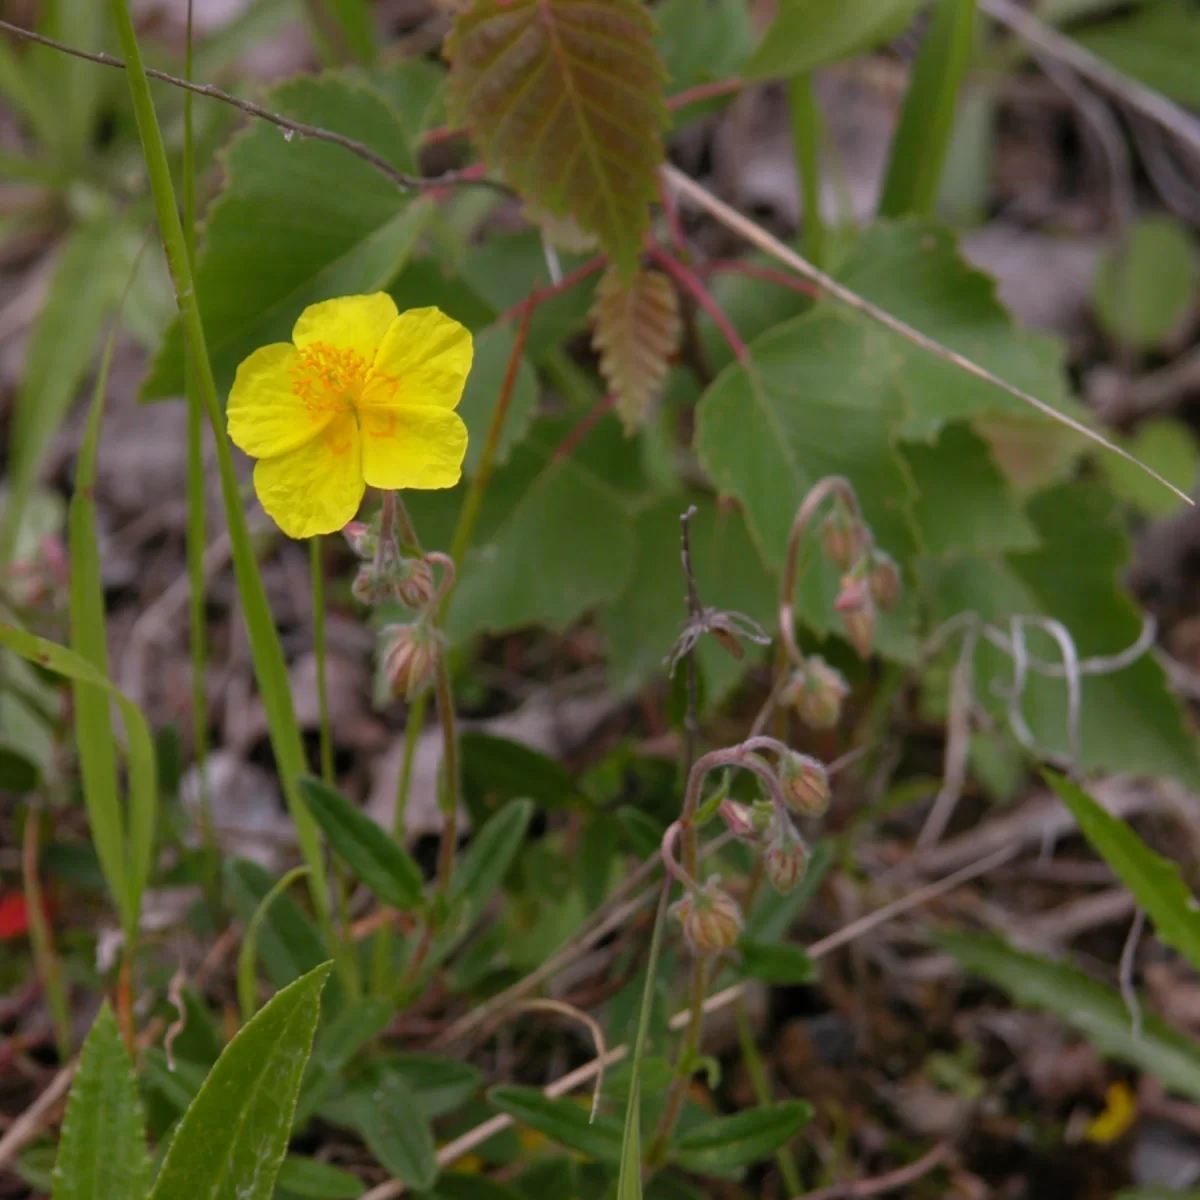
(805, 784)
(857, 611)
(785, 860)
(409, 657)
(413, 581)
(739, 818)
(884, 580)
(710, 917)
(366, 588)
(844, 537)
(816, 691)
(362, 538)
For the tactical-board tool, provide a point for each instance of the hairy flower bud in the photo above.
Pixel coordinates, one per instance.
(366, 588)
(413, 581)
(816, 691)
(844, 537)
(857, 610)
(361, 538)
(785, 860)
(710, 917)
(805, 784)
(884, 580)
(739, 818)
(409, 657)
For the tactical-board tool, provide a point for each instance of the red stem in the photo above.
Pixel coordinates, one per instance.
(570, 443)
(705, 91)
(737, 266)
(690, 282)
(671, 212)
(539, 295)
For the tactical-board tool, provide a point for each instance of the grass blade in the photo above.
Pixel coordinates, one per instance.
(245, 968)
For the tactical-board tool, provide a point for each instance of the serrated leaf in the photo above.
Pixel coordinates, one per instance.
(809, 33)
(1130, 721)
(1153, 880)
(379, 862)
(102, 1151)
(728, 1144)
(565, 98)
(1097, 1011)
(234, 1135)
(562, 1120)
(298, 221)
(636, 329)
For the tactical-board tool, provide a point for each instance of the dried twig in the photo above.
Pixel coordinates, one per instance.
(891, 1182)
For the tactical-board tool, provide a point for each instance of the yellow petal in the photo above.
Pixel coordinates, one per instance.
(412, 447)
(265, 415)
(355, 323)
(423, 359)
(316, 488)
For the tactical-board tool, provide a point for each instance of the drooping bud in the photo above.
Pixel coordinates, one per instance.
(413, 581)
(366, 588)
(362, 538)
(884, 580)
(857, 610)
(785, 860)
(409, 657)
(805, 784)
(844, 537)
(816, 691)
(711, 918)
(739, 818)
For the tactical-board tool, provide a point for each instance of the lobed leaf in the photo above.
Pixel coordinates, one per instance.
(636, 331)
(565, 98)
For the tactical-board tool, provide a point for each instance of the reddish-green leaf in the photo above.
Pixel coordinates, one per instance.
(565, 97)
(636, 331)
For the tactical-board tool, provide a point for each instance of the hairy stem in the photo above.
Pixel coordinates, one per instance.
(318, 605)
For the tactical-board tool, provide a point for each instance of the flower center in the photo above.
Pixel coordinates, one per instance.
(328, 377)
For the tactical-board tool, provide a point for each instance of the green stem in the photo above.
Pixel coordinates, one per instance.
(41, 940)
(270, 665)
(412, 735)
(806, 144)
(450, 791)
(318, 605)
(757, 1072)
(684, 1064)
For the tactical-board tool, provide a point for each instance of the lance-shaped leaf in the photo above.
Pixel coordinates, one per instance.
(565, 97)
(636, 332)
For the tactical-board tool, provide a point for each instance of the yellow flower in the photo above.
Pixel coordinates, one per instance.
(1120, 1112)
(361, 395)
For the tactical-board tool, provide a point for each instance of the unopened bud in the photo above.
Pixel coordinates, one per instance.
(816, 691)
(710, 917)
(884, 579)
(805, 784)
(785, 860)
(844, 537)
(414, 582)
(739, 818)
(361, 538)
(409, 657)
(366, 588)
(857, 610)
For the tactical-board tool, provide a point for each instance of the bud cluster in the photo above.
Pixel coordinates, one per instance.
(870, 580)
(816, 691)
(381, 578)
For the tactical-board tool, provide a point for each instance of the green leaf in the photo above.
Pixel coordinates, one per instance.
(1130, 720)
(491, 853)
(777, 963)
(19, 773)
(1145, 285)
(246, 955)
(1153, 880)
(233, 1137)
(497, 769)
(440, 1084)
(564, 97)
(102, 1151)
(1170, 448)
(298, 221)
(493, 350)
(809, 33)
(730, 1143)
(699, 47)
(456, 1186)
(1096, 1011)
(375, 858)
(922, 137)
(318, 1180)
(123, 845)
(642, 625)
(359, 1022)
(390, 1119)
(563, 1120)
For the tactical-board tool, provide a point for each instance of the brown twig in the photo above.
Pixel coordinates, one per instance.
(570, 443)
(689, 282)
(858, 1189)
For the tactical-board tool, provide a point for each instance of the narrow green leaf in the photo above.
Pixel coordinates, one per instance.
(102, 1151)
(776, 962)
(629, 1181)
(318, 1180)
(357, 1024)
(730, 1143)
(564, 1121)
(245, 968)
(1097, 1011)
(1153, 880)
(440, 1084)
(927, 120)
(143, 772)
(499, 769)
(378, 862)
(232, 1139)
(454, 1186)
(390, 1119)
(491, 854)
